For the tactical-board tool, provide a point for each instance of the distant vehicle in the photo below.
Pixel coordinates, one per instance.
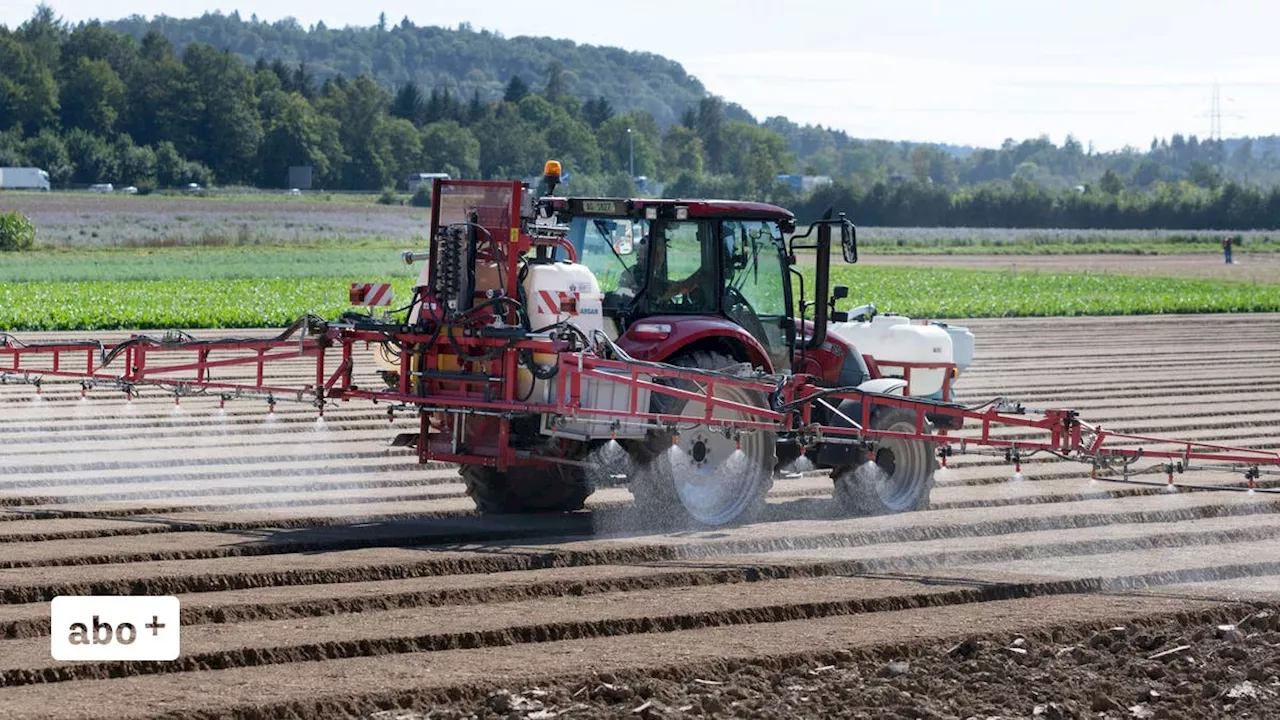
(24, 178)
(102, 188)
(416, 180)
(295, 191)
(194, 187)
(130, 190)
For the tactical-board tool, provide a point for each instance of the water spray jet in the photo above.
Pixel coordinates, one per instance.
(1016, 457)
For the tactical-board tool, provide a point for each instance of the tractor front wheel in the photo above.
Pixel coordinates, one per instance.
(896, 477)
(559, 488)
(706, 472)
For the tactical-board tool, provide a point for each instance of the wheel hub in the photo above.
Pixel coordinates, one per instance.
(699, 451)
(886, 461)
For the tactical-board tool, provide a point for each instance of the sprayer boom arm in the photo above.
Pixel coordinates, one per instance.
(240, 368)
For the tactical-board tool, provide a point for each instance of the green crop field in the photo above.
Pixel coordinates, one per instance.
(368, 264)
(165, 304)
(1018, 241)
(271, 287)
(947, 293)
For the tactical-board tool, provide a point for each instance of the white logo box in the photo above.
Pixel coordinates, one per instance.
(114, 627)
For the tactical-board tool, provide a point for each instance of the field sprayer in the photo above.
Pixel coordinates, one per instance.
(680, 335)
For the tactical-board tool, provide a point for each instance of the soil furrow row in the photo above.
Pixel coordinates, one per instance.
(535, 559)
(357, 687)
(615, 626)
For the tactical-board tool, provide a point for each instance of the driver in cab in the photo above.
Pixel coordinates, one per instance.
(692, 289)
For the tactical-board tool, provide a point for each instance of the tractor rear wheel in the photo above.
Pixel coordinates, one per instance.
(708, 474)
(896, 477)
(559, 488)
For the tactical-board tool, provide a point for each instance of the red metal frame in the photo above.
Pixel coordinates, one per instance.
(1058, 431)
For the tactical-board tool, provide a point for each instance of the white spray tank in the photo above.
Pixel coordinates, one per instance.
(569, 292)
(558, 292)
(892, 340)
(961, 344)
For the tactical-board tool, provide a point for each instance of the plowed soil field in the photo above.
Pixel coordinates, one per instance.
(324, 574)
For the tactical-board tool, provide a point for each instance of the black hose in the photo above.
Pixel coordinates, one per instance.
(539, 372)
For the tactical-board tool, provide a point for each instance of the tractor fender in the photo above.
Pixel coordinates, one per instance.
(684, 332)
(884, 386)
(835, 362)
(833, 455)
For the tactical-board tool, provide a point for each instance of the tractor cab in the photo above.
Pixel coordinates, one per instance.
(677, 272)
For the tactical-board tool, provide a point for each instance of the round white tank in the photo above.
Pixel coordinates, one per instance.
(563, 291)
(892, 339)
(559, 292)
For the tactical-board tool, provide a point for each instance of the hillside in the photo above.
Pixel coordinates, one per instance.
(462, 60)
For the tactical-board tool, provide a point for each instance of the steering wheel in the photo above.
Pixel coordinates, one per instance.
(740, 311)
(686, 292)
(694, 295)
(735, 297)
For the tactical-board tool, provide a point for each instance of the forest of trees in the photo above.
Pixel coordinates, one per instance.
(218, 99)
(90, 104)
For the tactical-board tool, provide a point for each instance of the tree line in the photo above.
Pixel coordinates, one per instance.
(1174, 206)
(91, 104)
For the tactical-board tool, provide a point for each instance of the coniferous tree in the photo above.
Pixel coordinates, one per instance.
(517, 88)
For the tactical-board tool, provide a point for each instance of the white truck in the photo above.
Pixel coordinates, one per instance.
(417, 180)
(23, 178)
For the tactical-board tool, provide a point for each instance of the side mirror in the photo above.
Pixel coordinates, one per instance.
(849, 242)
(839, 292)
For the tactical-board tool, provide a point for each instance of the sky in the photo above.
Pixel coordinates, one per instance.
(1110, 73)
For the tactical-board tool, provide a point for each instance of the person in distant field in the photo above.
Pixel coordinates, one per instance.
(1226, 249)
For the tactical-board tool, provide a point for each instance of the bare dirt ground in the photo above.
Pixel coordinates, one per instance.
(72, 219)
(1261, 267)
(323, 574)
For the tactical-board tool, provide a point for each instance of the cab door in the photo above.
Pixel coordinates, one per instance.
(756, 294)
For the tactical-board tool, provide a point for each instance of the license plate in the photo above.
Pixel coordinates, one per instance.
(598, 206)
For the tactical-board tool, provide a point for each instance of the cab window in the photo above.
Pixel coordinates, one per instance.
(610, 248)
(683, 278)
(755, 291)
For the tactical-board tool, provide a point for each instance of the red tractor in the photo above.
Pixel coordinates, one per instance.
(674, 340)
(706, 284)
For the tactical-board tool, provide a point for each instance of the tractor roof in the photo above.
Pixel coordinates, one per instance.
(696, 208)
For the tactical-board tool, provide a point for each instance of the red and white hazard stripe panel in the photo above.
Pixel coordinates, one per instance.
(371, 294)
(560, 303)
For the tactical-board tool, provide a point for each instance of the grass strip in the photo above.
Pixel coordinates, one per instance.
(937, 293)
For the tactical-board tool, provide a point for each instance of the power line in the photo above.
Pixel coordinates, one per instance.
(1215, 112)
